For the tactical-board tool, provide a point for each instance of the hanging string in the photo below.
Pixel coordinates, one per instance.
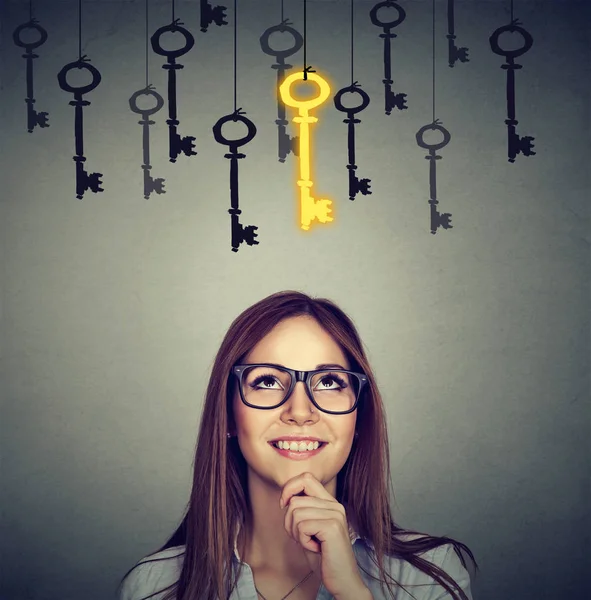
(305, 63)
(282, 11)
(79, 29)
(146, 43)
(511, 11)
(352, 21)
(235, 28)
(30, 10)
(173, 11)
(433, 11)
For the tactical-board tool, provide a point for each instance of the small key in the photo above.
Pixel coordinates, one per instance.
(437, 219)
(84, 180)
(310, 208)
(515, 143)
(177, 144)
(392, 100)
(239, 232)
(150, 184)
(34, 118)
(454, 53)
(285, 142)
(210, 15)
(356, 185)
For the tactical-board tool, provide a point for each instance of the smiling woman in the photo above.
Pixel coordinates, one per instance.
(291, 476)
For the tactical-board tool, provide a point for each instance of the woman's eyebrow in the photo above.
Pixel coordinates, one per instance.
(330, 366)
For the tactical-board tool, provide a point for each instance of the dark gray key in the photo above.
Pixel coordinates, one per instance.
(454, 53)
(211, 14)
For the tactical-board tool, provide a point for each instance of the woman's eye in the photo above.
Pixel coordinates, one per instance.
(328, 380)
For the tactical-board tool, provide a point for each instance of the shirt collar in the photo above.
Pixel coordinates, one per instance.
(353, 536)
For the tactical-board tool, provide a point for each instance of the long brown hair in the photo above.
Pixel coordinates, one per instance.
(219, 497)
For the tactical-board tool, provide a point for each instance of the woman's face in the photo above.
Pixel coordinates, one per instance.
(298, 343)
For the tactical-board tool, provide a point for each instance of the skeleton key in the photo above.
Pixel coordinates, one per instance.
(150, 184)
(454, 53)
(33, 117)
(84, 180)
(310, 208)
(516, 144)
(177, 144)
(286, 143)
(392, 100)
(239, 232)
(210, 15)
(437, 219)
(355, 185)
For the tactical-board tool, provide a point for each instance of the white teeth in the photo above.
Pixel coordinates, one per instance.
(297, 446)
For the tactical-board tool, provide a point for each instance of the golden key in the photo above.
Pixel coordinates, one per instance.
(310, 208)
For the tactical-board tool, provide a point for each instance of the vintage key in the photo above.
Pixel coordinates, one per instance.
(437, 219)
(355, 185)
(392, 100)
(177, 144)
(310, 208)
(239, 232)
(84, 180)
(34, 118)
(285, 143)
(454, 53)
(515, 143)
(210, 15)
(150, 184)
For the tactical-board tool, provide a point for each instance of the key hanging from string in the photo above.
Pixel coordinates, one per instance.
(454, 53)
(356, 185)
(437, 219)
(211, 14)
(34, 118)
(150, 184)
(515, 143)
(84, 181)
(239, 232)
(392, 100)
(285, 143)
(177, 144)
(310, 208)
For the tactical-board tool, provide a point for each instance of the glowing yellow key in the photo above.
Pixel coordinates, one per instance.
(310, 208)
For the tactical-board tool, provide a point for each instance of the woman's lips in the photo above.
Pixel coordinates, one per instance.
(296, 455)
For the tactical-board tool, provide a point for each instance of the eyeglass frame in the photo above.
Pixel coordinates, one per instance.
(305, 377)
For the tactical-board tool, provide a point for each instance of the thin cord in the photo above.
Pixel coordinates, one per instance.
(146, 43)
(79, 29)
(433, 11)
(305, 63)
(352, 21)
(235, 28)
(30, 10)
(282, 11)
(511, 11)
(173, 11)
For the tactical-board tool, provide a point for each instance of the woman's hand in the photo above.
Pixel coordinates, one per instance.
(330, 555)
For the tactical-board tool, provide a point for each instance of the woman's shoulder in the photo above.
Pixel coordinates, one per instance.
(153, 573)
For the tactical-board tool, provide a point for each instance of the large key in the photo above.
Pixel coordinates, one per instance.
(356, 185)
(239, 232)
(285, 143)
(34, 118)
(392, 100)
(515, 143)
(454, 53)
(310, 209)
(84, 181)
(150, 184)
(437, 219)
(210, 14)
(177, 144)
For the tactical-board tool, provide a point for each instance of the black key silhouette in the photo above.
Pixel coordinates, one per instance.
(240, 233)
(285, 143)
(437, 219)
(34, 118)
(177, 144)
(210, 14)
(84, 180)
(454, 53)
(515, 143)
(150, 184)
(392, 100)
(356, 185)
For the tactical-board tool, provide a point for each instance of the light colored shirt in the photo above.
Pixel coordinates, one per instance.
(149, 577)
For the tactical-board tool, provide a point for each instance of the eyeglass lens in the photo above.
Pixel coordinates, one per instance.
(268, 386)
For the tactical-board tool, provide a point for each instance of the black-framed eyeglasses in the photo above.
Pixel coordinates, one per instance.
(267, 385)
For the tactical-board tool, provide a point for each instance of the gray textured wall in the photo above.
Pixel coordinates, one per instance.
(113, 306)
